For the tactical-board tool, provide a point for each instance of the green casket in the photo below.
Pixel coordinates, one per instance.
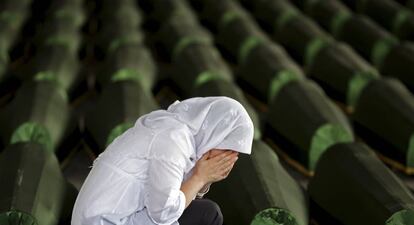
(341, 71)
(266, 68)
(57, 63)
(305, 122)
(120, 104)
(297, 33)
(33, 191)
(161, 11)
(390, 14)
(384, 115)
(119, 25)
(352, 186)
(63, 27)
(369, 39)
(236, 30)
(180, 31)
(128, 62)
(39, 113)
(259, 191)
(197, 63)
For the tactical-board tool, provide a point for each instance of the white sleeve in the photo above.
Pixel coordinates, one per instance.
(165, 201)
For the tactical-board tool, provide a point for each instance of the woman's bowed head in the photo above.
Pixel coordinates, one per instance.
(151, 173)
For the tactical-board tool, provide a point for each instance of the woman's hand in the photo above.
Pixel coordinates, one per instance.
(216, 168)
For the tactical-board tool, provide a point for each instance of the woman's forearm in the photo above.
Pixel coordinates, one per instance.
(191, 187)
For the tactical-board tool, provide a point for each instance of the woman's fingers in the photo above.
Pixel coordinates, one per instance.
(228, 164)
(228, 170)
(223, 157)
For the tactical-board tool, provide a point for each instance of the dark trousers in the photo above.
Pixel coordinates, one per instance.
(202, 212)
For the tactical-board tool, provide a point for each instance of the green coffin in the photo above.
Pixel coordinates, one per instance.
(63, 27)
(129, 62)
(369, 39)
(306, 122)
(4, 62)
(390, 14)
(119, 23)
(10, 5)
(267, 67)
(355, 188)
(399, 63)
(33, 191)
(39, 113)
(385, 114)
(236, 30)
(161, 10)
(197, 63)
(180, 31)
(220, 87)
(259, 191)
(342, 72)
(61, 34)
(357, 30)
(296, 32)
(121, 103)
(10, 25)
(57, 63)
(125, 12)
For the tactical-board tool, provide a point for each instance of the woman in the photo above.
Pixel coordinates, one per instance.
(153, 172)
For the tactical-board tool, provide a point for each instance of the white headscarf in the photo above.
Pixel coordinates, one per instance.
(215, 122)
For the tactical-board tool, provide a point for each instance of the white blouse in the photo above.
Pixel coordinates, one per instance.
(138, 186)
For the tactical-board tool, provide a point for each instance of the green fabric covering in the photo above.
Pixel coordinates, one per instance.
(39, 113)
(266, 194)
(324, 137)
(123, 40)
(282, 78)
(66, 41)
(228, 17)
(247, 46)
(361, 5)
(32, 131)
(16, 218)
(357, 84)
(129, 62)
(50, 76)
(380, 51)
(286, 17)
(14, 19)
(400, 19)
(410, 4)
(193, 62)
(207, 76)
(410, 154)
(274, 216)
(187, 41)
(34, 190)
(69, 13)
(119, 105)
(313, 48)
(387, 100)
(306, 118)
(127, 74)
(338, 21)
(403, 217)
(4, 60)
(354, 186)
(118, 130)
